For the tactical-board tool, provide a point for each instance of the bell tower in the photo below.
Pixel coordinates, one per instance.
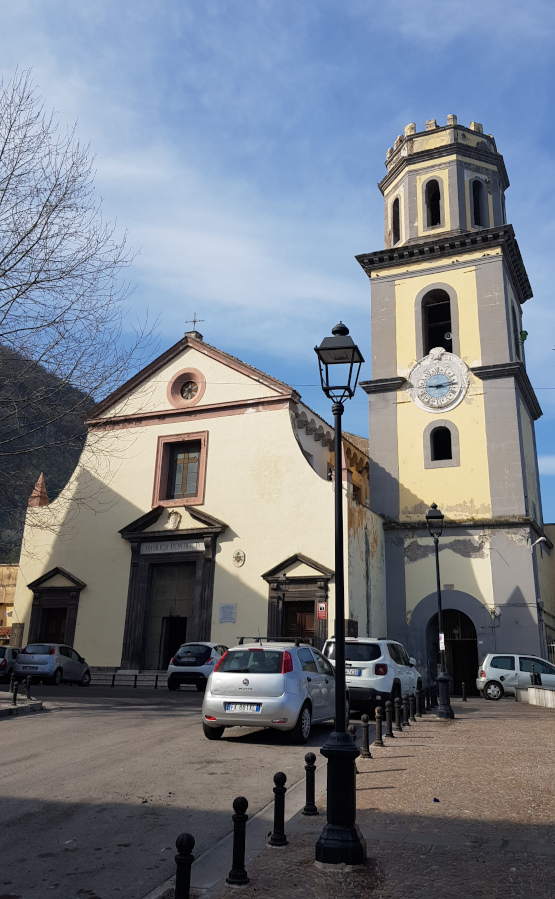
(452, 409)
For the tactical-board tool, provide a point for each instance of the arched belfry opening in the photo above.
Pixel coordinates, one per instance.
(461, 650)
(433, 203)
(441, 446)
(436, 321)
(395, 222)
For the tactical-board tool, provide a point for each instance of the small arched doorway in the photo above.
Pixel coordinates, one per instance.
(461, 650)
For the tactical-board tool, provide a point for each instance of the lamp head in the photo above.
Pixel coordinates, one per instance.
(434, 520)
(339, 359)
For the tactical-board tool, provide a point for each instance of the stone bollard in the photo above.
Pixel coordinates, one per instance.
(379, 718)
(14, 694)
(238, 875)
(278, 837)
(183, 860)
(398, 725)
(412, 707)
(365, 725)
(389, 719)
(463, 687)
(406, 722)
(310, 769)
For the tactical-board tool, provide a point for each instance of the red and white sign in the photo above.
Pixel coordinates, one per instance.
(322, 611)
(442, 642)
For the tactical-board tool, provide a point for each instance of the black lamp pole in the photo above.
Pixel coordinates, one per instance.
(341, 841)
(434, 520)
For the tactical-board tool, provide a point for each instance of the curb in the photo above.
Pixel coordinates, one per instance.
(15, 711)
(210, 869)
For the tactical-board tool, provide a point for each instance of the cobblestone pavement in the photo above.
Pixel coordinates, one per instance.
(490, 835)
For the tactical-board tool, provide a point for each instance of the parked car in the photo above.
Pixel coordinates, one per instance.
(193, 663)
(277, 685)
(52, 663)
(8, 655)
(502, 673)
(376, 670)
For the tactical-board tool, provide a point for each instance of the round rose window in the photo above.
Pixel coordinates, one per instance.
(189, 390)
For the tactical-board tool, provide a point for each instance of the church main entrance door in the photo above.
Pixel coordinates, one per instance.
(169, 606)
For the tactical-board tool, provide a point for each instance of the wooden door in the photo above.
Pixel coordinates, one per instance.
(54, 625)
(299, 620)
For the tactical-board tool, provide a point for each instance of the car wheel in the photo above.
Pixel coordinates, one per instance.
(301, 731)
(85, 680)
(56, 678)
(493, 690)
(212, 733)
(173, 685)
(201, 686)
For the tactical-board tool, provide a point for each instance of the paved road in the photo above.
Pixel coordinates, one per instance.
(96, 789)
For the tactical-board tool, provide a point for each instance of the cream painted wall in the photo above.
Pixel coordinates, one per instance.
(468, 574)
(223, 384)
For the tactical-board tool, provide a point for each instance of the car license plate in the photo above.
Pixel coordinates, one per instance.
(355, 672)
(242, 707)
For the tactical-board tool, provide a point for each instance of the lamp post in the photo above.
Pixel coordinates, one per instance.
(341, 841)
(434, 520)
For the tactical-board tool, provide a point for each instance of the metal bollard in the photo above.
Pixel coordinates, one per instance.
(135, 682)
(434, 696)
(397, 704)
(419, 702)
(156, 682)
(12, 682)
(28, 688)
(183, 860)
(412, 707)
(428, 699)
(113, 680)
(310, 769)
(14, 694)
(463, 687)
(365, 724)
(389, 719)
(379, 719)
(406, 722)
(278, 837)
(238, 875)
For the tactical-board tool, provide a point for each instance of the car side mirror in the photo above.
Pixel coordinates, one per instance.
(412, 662)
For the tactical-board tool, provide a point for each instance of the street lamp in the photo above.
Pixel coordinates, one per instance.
(341, 841)
(434, 520)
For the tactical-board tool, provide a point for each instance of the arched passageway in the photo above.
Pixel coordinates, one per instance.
(461, 650)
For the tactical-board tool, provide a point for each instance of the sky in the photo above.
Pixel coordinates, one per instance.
(240, 143)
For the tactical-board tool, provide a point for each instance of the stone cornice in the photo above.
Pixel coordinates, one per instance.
(382, 385)
(445, 245)
(396, 166)
(471, 524)
(517, 371)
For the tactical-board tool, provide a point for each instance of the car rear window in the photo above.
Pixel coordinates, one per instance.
(357, 652)
(195, 651)
(252, 661)
(38, 649)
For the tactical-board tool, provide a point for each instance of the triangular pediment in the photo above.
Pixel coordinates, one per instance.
(172, 523)
(298, 565)
(219, 380)
(57, 577)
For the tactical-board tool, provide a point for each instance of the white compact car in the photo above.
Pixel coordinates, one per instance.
(504, 672)
(280, 685)
(375, 670)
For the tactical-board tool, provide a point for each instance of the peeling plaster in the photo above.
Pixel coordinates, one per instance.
(467, 547)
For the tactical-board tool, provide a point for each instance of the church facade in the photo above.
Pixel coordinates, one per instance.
(204, 481)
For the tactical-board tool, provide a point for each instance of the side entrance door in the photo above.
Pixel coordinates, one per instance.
(299, 620)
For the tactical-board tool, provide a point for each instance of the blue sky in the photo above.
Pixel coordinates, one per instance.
(240, 143)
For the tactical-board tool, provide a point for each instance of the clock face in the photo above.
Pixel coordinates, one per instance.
(439, 381)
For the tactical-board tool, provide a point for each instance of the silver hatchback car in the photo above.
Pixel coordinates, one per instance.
(52, 663)
(277, 685)
(502, 673)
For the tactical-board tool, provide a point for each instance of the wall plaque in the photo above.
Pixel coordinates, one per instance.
(171, 546)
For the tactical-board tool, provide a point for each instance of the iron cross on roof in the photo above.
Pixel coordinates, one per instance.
(193, 321)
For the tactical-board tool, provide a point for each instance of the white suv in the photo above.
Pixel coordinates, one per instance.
(375, 670)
